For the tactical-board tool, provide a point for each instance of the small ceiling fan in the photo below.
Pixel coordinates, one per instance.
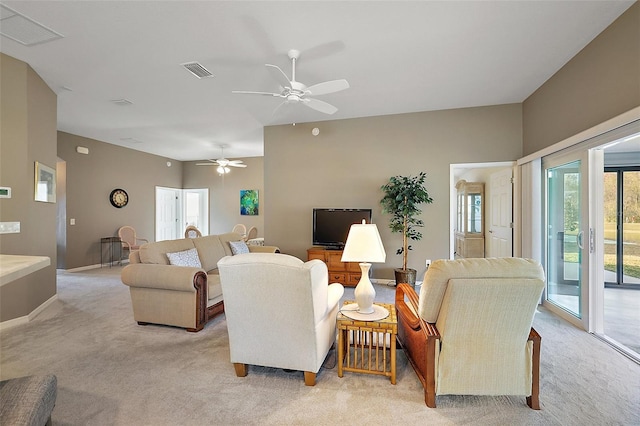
(223, 163)
(294, 92)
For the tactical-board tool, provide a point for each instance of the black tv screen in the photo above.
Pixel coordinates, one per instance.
(331, 226)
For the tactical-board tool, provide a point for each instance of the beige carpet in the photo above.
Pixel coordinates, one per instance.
(113, 372)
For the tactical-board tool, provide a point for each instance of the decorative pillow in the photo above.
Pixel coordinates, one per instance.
(185, 258)
(238, 247)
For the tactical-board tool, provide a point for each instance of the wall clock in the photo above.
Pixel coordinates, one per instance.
(119, 198)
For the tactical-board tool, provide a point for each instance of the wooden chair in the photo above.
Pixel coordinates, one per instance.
(240, 229)
(129, 239)
(252, 233)
(469, 332)
(192, 232)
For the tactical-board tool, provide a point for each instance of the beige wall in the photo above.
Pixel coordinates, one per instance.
(89, 181)
(28, 118)
(599, 83)
(224, 193)
(350, 160)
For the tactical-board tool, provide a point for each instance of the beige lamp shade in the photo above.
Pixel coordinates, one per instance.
(364, 244)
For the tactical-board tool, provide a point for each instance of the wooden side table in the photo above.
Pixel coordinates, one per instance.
(368, 347)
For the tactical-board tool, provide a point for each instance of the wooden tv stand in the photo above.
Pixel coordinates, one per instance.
(345, 273)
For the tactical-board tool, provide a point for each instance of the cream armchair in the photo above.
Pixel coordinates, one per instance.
(469, 332)
(281, 312)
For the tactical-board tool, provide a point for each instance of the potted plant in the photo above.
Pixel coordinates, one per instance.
(403, 196)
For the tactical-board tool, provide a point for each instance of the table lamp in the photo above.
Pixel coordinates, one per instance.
(364, 246)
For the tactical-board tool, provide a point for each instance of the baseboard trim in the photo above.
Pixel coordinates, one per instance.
(82, 268)
(26, 318)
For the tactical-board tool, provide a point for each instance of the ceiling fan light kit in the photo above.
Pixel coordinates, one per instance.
(294, 92)
(223, 164)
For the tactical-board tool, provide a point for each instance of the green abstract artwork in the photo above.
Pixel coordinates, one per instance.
(249, 202)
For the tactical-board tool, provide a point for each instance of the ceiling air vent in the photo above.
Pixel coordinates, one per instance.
(24, 30)
(197, 69)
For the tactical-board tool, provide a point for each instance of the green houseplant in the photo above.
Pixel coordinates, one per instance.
(403, 196)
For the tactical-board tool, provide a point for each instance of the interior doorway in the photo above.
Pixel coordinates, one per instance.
(178, 208)
(498, 205)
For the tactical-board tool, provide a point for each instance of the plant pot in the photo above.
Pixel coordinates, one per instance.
(407, 276)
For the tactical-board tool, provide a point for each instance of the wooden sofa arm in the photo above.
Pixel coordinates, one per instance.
(404, 294)
(533, 401)
(418, 338)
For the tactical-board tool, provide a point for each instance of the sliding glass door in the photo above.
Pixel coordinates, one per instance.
(565, 237)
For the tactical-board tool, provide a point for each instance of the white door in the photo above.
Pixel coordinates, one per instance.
(196, 209)
(167, 213)
(501, 214)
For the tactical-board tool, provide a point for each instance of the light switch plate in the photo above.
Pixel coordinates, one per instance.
(9, 227)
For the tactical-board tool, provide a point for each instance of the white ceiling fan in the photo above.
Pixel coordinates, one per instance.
(294, 92)
(223, 163)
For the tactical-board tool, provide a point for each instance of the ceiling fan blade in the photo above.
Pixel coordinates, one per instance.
(327, 87)
(236, 165)
(318, 105)
(248, 92)
(279, 75)
(235, 161)
(206, 164)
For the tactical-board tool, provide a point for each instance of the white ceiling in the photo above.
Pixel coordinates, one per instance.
(397, 56)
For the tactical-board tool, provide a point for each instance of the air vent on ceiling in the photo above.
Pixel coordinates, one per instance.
(197, 69)
(26, 31)
(122, 102)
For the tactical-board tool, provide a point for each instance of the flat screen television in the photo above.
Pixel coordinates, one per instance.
(331, 226)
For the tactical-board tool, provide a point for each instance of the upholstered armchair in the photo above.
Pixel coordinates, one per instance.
(281, 312)
(469, 332)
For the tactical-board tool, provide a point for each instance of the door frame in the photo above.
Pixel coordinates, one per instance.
(599, 135)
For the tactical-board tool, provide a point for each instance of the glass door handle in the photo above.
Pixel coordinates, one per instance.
(579, 240)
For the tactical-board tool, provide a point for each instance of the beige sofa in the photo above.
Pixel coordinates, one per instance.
(180, 296)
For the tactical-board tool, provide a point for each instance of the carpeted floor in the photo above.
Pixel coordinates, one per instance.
(113, 372)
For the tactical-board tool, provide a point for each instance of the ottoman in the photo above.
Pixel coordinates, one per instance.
(28, 400)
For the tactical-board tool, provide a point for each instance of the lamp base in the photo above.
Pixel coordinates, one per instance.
(364, 292)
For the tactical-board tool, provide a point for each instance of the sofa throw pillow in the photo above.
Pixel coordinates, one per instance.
(238, 247)
(185, 258)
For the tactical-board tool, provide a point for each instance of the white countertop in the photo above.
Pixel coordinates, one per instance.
(13, 267)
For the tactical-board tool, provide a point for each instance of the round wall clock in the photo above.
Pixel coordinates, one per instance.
(119, 198)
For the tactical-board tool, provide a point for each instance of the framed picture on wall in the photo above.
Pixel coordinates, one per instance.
(45, 183)
(249, 202)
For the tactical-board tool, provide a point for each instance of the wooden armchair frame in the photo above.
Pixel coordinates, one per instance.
(418, 339)
(129, 238)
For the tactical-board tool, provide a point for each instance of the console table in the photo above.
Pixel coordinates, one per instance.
(345, 273)
(109, 248)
